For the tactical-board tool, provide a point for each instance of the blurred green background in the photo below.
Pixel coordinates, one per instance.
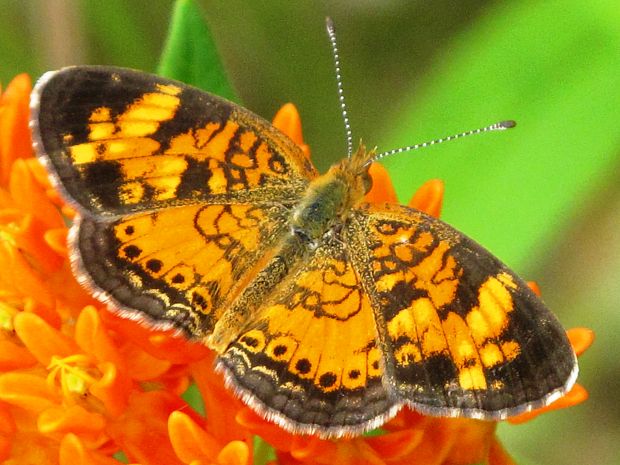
(544, 197)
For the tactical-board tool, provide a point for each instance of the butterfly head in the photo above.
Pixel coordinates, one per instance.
(330, 197)
(354, 171)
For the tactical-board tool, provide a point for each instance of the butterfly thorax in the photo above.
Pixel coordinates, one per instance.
(330, 197)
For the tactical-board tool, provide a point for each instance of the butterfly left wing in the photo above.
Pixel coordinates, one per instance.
(118, 141)
(179, 192)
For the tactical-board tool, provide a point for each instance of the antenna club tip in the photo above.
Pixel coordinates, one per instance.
(329, 23)
(507, 124)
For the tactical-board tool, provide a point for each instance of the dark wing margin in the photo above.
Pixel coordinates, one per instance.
(118, 141)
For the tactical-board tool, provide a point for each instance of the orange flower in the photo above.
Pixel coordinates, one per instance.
(78, 384)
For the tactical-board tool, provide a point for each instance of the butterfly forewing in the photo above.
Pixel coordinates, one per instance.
(463, 335)
(119, 141)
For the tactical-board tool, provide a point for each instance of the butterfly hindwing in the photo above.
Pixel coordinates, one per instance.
(120, 141)
(178, 266)
(310, 355)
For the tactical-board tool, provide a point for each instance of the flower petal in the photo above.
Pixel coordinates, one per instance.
(7, 431)
(113, 389)
(472, 439)
(429, 197)
(533, 285)
(393, 446)
(435, 447)
(27, 391)
(93, 339)
(190, 441)
(575, 396)
(288, 121)
(70, 419)
(580, 338)
(15, 138)
(164, 345)
(19, 277)
(13, 356)
(343, 452)
(142, 430)
(234, 453)
(33, 448)
(221, 405)
(56, 239)
(498, 455)
(41, 339)
(382, 189)
(30, 197)
(271, 433)
(73, 452)
(143, 366)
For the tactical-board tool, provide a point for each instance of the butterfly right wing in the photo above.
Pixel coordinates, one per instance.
(462, 335)
(397, 309)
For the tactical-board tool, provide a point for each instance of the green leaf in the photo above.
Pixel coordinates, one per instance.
(190, 54)
(193, 397)
(552, 66)
(121, 457)
(263, 452)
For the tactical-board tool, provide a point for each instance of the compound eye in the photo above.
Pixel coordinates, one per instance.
(367, 182)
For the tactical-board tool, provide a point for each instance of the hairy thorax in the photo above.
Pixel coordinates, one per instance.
(330, 197)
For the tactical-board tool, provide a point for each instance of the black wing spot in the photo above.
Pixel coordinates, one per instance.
(328, 379)
(249, 341)
(132, 251)
(154, 265)
(303, 366)
(279, 350)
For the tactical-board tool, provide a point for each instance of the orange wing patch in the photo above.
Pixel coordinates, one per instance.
(125, 135)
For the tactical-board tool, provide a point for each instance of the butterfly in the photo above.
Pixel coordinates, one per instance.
(327, 314)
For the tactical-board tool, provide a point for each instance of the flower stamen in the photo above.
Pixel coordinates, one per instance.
(72, 373)
(6, 317)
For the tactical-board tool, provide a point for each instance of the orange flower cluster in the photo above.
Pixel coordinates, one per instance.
(79, 385)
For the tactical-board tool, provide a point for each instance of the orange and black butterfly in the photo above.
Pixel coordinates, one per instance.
(328, 314)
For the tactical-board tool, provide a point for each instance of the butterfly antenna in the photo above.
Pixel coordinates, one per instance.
(502, 125)
(331, 33)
